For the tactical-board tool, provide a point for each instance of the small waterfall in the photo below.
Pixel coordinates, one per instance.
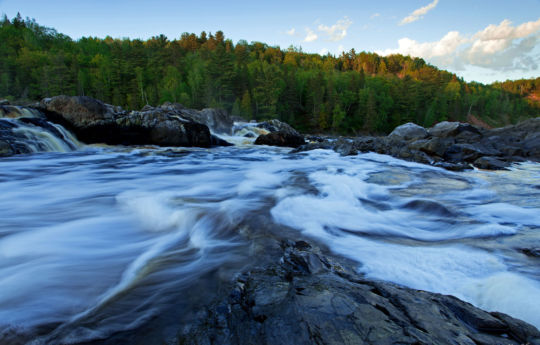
(26, 130)
(244, 133)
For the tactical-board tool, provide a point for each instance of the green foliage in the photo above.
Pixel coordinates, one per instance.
(347, 94)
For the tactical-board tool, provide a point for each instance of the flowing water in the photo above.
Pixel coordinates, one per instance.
(102, 240)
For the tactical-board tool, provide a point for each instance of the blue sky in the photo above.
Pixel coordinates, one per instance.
(477, 39)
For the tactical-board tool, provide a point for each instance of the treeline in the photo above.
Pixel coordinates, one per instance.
(351, 93)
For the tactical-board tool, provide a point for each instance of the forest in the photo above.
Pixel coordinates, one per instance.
(348, 94)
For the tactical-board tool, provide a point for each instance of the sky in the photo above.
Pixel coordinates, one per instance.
(480, 40)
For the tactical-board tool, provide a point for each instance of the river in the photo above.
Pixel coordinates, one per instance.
(104, 240)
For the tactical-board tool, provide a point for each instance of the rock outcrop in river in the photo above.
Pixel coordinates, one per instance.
(310, 298)
(168, 125)
(281, 134)
(451, 145)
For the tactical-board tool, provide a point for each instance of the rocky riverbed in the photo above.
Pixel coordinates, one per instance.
(450, 145)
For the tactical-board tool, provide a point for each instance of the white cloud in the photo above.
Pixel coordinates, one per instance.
(323, 51)
(374, 15)
(502, 47)
(505, 31)
(419, 13)
(340, 49)
(446, 45)
(310, 36)
(338, 31)
(291, 32)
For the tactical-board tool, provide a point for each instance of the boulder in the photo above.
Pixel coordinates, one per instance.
(344, 147)
(490, 163)
(278, 126)
(409, 131)
(80, 111)
(280, 138)
(433, 147)
(468, 152)
(307, 297)
(447, 129)
(217, 120)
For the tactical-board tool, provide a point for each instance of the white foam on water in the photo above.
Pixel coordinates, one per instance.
(506, 213)
(341, 199)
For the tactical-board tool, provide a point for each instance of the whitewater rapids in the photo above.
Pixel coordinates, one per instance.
(104, 240)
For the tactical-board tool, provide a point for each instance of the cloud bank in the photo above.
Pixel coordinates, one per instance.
(501, 47)
(419, 13)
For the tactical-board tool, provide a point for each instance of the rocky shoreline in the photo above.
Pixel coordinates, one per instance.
(450, 145)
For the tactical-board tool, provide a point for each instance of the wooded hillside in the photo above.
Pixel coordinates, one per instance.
(348, 94)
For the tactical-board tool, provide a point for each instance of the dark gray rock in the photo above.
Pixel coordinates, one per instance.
(490, 163)
(448, 129)
(278, 126)
(433, 147)
(280, 138)
(325, 145)
(310, 298)
(344, 147)
(453, 166)
(532, 252)
(217, 120)
(94, 121)
(468, 152)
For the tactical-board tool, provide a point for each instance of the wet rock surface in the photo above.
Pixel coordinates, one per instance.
(450, 145)
(93, 121)
(280, 138)
(281, 134)
(308, 297)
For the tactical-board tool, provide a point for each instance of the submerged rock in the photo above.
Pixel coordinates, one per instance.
(309, 298)
(5, 149)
